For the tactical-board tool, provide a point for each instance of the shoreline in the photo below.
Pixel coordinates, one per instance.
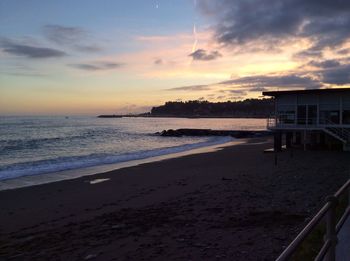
(45, 178)
(206, 206)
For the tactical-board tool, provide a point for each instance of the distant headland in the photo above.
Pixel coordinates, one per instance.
(249, 108)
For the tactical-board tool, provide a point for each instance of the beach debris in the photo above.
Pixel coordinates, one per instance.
(90, 256)
(96, 181)
(119, 226)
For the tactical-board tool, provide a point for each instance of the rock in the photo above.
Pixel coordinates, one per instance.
(209, 132)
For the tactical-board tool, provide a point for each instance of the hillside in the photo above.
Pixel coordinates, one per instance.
(254, 108)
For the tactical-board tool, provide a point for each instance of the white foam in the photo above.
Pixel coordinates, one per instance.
(26, 181)
(73, 163)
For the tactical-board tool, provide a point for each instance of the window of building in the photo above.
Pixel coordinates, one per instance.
(346, 112)
(329, 113)
(301, 114)
(286, 113)
(287, 117)
(346, 117)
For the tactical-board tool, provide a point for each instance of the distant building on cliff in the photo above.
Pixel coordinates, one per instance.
(311, 118)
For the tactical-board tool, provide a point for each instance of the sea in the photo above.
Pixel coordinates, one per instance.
(31, 146)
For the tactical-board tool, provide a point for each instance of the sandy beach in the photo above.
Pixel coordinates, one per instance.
(231, 204)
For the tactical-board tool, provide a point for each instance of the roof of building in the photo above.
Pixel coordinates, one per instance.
(312, 91)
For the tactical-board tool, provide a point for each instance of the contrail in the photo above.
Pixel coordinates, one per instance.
(194, 46)
(195, 42)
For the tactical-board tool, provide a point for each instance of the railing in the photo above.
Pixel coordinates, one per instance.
(273, 122)
(339, 131)
(328, 211)
(323, 124)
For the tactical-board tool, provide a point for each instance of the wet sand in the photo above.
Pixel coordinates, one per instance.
(232, 204)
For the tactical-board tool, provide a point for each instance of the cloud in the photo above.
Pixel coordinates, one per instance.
(87, 48)
(74, 37)
(243, 85)
(97, 66)
(158, 61)
(344, 51)
(325, 64)
(258, 89)
(308, 53)
(191, 88)
(237, 92)
(64, 35)
(323, 23)
(339, 75)
(269, 81)
(203, 55)
(24, 74)
(29, 51)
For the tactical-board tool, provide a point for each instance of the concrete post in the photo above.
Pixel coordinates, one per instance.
(278, 141)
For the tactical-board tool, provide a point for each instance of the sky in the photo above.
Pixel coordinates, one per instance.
(88, 57)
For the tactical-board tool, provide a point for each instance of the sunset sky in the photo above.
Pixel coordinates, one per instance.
(115, 56)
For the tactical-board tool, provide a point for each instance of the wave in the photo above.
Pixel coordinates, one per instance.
(35, 143)
(76, 162)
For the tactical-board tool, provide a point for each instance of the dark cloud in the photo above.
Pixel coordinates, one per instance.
(24, 74)
(29, 51)
(339, 75)
(281, 81)
(326, 23)
(191, 88)
(84, 66)
(64, 35)
(203, 55)
(308, 53)
(87, 48)
(242, 92)
(344, 51)
(158, 61)
(74, 37)
(325, 64)
(98, 66)
(258, 89)
(242, 86)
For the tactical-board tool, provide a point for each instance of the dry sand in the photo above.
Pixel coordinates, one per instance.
(232, 204)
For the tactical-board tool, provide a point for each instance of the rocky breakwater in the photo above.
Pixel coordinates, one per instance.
(209, 132)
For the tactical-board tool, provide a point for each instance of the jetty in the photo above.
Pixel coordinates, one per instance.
(210, 132)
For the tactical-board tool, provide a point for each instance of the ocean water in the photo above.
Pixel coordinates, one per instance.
(39, 145)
